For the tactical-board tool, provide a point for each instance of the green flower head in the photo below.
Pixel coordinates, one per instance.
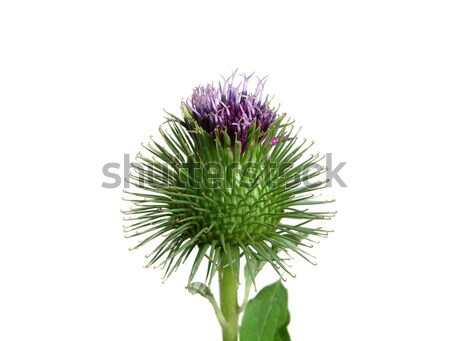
(231, 174)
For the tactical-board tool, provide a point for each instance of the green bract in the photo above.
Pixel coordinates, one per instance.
(200, 194)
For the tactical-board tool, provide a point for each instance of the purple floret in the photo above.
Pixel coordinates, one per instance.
(231, 108)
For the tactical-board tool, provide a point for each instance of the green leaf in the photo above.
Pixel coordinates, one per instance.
(252, 268)
(199, 288)
(267, 316)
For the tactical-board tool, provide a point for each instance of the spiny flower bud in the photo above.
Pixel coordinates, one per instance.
(201, 192)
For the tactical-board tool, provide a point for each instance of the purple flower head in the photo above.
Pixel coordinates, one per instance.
(231, 108)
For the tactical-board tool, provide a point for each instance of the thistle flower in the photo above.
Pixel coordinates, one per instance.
(231, 108)
(233, 181)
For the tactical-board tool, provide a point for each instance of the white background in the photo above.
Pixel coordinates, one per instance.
(84, 82)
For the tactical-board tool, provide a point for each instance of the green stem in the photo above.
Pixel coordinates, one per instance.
(228, 285)
(248, 287)
(223, 323)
